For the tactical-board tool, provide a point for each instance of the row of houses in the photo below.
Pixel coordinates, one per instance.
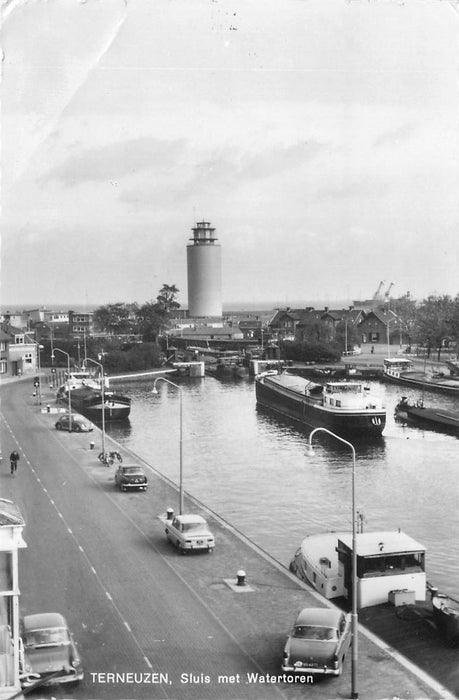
(21, 333)
(57, 323)
(372, 326)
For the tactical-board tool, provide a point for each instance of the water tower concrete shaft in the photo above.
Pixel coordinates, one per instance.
(204, 272)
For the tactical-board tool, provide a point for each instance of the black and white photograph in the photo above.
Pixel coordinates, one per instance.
(229, 336)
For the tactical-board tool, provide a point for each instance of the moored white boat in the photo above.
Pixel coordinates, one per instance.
(402, 371)
(386, 562)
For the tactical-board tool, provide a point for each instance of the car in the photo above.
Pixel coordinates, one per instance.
(76, 424)
(190, 532)
(49, 650)
(318, 642)
(130, 477)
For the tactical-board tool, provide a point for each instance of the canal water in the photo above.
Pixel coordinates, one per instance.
(255, 470)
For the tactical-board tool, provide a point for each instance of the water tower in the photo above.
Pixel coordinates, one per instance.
(204, 272)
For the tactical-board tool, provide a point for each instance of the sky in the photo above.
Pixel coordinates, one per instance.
(318, 137)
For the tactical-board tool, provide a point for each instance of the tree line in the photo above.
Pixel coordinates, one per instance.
(148, 320)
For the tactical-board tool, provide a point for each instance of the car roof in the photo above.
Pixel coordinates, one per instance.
(132, 466)
(190, 518)
(319, 616)
(75, 416)
(43, 620)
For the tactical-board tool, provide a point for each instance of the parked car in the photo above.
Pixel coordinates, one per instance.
(49, 650)
(131, 477)
(76, 424)
(190, 532)
(318, 642)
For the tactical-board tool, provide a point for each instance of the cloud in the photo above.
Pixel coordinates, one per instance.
(115, 161)
(402, 133)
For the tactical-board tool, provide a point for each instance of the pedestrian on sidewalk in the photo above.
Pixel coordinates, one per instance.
(14, 459)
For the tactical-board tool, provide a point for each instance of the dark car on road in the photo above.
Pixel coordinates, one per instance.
(318, 642)
(75, 424)
(129, 477)
(49, 649)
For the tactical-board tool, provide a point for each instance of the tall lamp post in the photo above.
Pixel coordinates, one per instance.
(389, 321)
(354, 692)
(68, 382)
(102, 385)
(155, 391)
(39, 348)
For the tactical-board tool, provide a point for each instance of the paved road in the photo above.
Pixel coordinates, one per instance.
(100, 557)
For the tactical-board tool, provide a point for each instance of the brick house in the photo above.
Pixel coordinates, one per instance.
(380, 327)
(320, 326)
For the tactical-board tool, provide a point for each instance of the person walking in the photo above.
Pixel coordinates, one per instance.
(14, 459)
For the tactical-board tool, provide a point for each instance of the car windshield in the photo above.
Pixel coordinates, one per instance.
(188, 527)
(47, 637)
(132, 470)
(323, 634)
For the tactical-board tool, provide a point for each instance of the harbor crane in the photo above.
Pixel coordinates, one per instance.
(387, 292)
(378, 294)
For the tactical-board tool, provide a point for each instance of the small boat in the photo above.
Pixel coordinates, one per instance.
(226, 365)
(433, 418)
(387, 562)
(342, 406)
(88, 401)
(446, 616)
(401, 371)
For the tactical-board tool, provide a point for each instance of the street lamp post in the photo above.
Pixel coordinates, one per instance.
(354, 692)
(68, 383)
(389, 321)
(102, 385)
(39, 348)
(155, 391)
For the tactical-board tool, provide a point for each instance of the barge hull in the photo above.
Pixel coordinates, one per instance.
(313, 415)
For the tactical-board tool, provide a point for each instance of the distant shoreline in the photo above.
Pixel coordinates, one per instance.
(228, 307)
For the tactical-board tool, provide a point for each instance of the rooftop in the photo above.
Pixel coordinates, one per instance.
(382, 542)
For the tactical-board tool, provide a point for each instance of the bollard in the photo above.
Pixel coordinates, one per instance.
(241, 577)
(91, 445)
(169, 514)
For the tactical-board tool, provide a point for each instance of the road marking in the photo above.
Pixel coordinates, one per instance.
(80, 548)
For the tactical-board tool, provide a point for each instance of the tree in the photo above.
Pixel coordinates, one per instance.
(154, 316)
(435, 319)
(167, 298)
(405, 309)
(117, 318)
